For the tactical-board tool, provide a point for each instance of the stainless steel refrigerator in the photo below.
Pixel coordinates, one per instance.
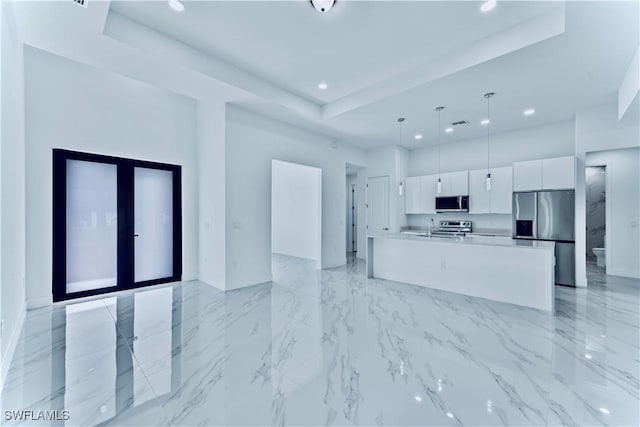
(550, 216)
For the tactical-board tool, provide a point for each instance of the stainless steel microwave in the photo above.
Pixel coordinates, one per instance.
(452, 204)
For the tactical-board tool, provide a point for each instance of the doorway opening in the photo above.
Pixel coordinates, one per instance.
(355, 227)
(117, 224)
(296, 211)
(596, 218)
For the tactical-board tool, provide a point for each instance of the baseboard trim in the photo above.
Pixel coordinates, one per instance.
(13, 343)
(213, 285)
(39, 302)
(622, 273)
(265, 280)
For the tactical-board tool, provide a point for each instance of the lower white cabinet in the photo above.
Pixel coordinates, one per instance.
(496, 200)
(412, 195)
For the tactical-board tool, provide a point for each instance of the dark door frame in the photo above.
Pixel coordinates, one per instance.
(125, 168)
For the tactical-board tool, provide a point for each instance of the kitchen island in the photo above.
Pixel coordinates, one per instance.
(499, 268)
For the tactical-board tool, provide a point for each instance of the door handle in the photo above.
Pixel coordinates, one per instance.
(385, 228)
(136, 235)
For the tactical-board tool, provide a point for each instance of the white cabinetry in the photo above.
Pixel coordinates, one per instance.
(420, 194)
(479, 200)
(558, 173)
(412, 195)
(428, 186)
(527, 176)
(498, 199)
(501, 190)
(547, 174)
(455, 183)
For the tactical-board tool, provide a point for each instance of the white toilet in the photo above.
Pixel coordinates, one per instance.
(600, 254)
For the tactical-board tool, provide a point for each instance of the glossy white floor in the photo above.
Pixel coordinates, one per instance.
(330, 347)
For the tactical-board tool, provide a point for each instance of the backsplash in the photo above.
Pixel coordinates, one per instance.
(596, 198)
(480, 221)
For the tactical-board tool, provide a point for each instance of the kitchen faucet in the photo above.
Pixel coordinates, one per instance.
(431, 224)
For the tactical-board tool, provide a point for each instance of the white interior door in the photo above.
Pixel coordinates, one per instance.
(378, 204)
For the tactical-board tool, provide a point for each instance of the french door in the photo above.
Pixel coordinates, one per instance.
(117, 224)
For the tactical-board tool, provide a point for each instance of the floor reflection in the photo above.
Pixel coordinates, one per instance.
(331, 348)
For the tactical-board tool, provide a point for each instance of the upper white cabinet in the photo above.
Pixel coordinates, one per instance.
(547, 174)
(496, 200)
(558, 173)
(412, 195)
(428, 186)
(420, 194)
(455, 183)
(479, 201)
(527, 176)
(501, 190)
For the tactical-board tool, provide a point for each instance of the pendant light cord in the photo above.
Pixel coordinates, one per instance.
(439, 110)
(439, 142)
(489, 134)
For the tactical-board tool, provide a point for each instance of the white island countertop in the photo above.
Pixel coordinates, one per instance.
(498, 268)
(470, 240)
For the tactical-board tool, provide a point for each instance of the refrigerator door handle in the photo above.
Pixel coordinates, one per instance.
(535, 216)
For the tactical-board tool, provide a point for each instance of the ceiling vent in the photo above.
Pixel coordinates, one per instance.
(459, 123)
(82, 3)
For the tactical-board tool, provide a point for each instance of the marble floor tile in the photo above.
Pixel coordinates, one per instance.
(331, 347)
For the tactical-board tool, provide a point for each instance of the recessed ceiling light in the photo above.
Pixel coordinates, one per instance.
(418, 398)
(176, 5)
(604, 411)
(588, 356)
(418, 136)
(323, 86)
(529, 112)
(449, 130)
(488, 5)
(449, 414)
(485, 122)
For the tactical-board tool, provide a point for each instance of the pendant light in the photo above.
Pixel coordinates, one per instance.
(400, 121)
(488, 96)
(439, 185)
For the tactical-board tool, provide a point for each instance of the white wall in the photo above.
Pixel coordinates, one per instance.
(622, 209)
(597, 129)
(211, 193)
(253, 142)
(73, 106)
(480, 222)
(296, 210)
(12, 188)
(541, 142)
